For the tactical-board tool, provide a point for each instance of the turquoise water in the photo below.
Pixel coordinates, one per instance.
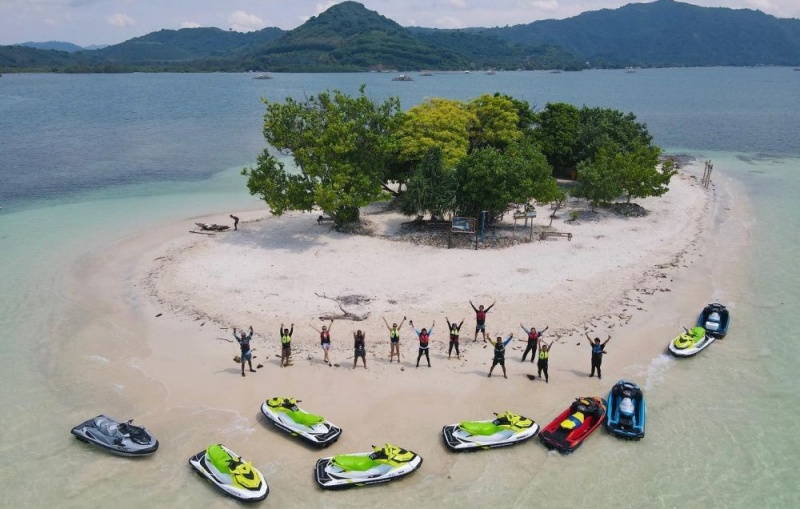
(86, 160)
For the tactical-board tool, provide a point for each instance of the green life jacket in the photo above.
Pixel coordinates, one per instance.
(544, 354)
(286, 339)
(394, 334)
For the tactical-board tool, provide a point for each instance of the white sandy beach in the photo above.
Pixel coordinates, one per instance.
(635, 279)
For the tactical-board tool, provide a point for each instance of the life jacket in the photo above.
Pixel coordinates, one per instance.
(544, 354)
(359, 342)
(394, 334)
(325, 336)
(423, 338)
(597, 349)
(499, 350)
(480, 315)
(454, 333)
(286, 339)
(533, 335)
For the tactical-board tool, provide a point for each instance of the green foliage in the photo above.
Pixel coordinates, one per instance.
(435, 123)
(599, 180)
(340, 145)
(496, 122)
(431, 187)
(490, 179)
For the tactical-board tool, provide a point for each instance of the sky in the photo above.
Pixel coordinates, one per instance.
(87, 22)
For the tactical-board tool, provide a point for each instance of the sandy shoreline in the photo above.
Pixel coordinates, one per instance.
(636, 279)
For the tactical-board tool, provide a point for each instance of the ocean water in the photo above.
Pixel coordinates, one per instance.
(86, 160)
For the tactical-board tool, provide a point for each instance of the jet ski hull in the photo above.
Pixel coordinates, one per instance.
(120, 438)
(205, 468)
(693, 349)
(617, 422)
(459, 439)
(330, 477)
(565, 441)
(319, 435)
(715, 319)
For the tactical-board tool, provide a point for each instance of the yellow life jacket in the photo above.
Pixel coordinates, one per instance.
(394, 334)
(286, 339)
(544, 354)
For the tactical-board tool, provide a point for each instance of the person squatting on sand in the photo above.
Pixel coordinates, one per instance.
(394, 339)
(360, 348)
(244, 344)
(325, 340)
(598, 349)
(480, 319)
(455, 330)
(499, 353)
(286, 344)
(424, 337)
(533, 341)
(544, 356)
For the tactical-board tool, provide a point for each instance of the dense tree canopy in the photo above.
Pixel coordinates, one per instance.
(340, 145)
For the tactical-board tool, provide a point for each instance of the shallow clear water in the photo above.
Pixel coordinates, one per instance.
(86, 160)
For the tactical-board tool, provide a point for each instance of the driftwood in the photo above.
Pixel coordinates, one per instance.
(346, 315)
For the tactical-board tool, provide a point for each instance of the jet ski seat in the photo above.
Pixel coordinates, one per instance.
(106, 426)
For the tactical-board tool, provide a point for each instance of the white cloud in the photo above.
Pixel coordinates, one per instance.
(322, 7)
(190, 24)
(120, 20)
(245, 22)
(545, 5)
(455, 3)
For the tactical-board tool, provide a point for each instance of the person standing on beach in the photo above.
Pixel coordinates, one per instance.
(394, 339)
(424, 338)
(244, 344)
(360, 346)
(544, 357)
(286, 345)
(325, 340)
(500, 353)
(480, 319)
(533, 341)
(598, 349)
(235, 222)
(455, 330)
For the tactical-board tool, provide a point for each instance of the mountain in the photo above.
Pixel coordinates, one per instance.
(667, 33)
(54, 45)
(184, 45)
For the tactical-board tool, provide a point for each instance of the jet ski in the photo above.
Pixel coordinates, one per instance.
(568, 431)
(121, 438)
(227, 471)
(385, 463)
(286, 415)
(505, 429)
(715, 319)
(626, 410)
(691, 342)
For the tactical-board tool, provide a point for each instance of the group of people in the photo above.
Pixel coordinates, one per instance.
(534, 342)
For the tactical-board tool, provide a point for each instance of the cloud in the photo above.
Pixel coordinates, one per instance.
(120, 20)
(245, 22)
(322, 7)
(190, 24)
(449, 22)
(455, 3)
(545, 5)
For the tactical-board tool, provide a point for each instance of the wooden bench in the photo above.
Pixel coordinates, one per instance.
(544, 235)
(324, 219)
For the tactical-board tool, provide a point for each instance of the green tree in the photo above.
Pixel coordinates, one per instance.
(435, 123)
(557, 132)
(431, 188)
(599, 179)
(490, 179)
(340, 145)
(639, 173)
(496, 122)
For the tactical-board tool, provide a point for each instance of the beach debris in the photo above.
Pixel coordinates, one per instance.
(259, 366)
(159, 315)
(350, 300)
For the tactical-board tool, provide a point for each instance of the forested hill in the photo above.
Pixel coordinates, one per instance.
(349, 37)
(667, 33)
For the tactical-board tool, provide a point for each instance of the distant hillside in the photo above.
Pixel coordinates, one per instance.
(349, 37)
(184, 45)
(667, 33)
(54, 45)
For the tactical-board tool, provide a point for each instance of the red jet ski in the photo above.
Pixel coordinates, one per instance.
(568, 431)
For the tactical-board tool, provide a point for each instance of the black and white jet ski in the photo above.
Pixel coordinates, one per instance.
(505, 429)
(230, 473)
(385, 463)
(121, 438)
(286, 415)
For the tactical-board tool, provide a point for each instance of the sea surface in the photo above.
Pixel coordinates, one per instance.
(86, 160)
